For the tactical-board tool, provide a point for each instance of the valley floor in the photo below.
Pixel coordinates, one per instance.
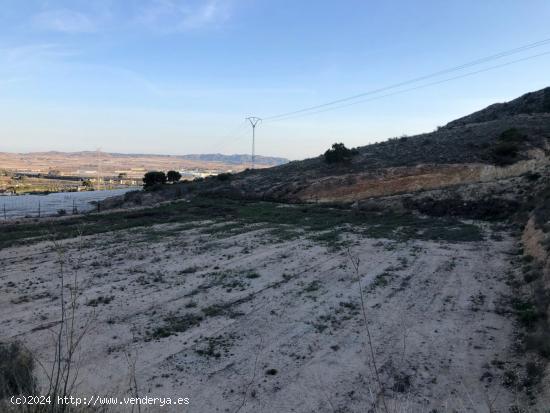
(262, 317)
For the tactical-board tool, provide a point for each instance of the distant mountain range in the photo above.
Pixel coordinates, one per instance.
(236, 159)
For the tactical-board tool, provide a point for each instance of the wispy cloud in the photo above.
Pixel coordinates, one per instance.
(211, 12)
(34, 52)
(165, 89)
(65, 21)
(176, 16)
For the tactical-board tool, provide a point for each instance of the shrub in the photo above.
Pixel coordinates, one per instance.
(175, 324)
(173, 176)
(339, 153)
(505, 149)
(512, 135)
(153, 178)
(533, 374)
(16, 370)
(526, 312)
(100, 300)
(509, 378)
(532, 176)
(225, 176)
(504, 153)
(539, 342)
(546, 101)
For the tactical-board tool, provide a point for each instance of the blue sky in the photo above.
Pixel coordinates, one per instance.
(179, 76)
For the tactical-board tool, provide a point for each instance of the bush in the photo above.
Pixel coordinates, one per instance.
(532, 176)
(539, 342)
(225, 176)
(533, 374)
(505, 153)
(512, 135)
(509, 378)
(505, 149)
(16, 370)
(153, 178)
(173, 176)
(546, 101)
(339, 153)
(526, 312)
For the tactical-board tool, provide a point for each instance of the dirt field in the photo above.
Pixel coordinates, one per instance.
(262, 317)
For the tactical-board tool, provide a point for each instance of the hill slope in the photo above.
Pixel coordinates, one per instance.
(528, 104)
(503, 140)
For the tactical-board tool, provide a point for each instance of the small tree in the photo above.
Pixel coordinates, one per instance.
(173, 176)
(153, 178)
(339, 153)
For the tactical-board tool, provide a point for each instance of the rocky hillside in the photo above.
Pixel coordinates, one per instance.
(528, 104)
(502, 141)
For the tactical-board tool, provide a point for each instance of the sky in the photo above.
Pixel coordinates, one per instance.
(180, 76)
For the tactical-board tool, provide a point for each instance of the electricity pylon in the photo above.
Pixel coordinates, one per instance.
(253, 121)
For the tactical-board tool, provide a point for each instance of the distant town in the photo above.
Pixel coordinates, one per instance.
(55, 181)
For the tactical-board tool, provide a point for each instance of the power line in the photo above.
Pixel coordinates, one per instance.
(414, 80)
(237, 131)
(414, 88)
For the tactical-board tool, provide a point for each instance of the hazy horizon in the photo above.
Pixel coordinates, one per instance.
(144, 154)
(179, 77)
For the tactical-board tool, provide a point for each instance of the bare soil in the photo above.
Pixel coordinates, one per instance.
(265, 318)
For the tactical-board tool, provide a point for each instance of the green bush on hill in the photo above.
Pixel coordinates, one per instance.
(507, 146)
(505, 149)
(339, 153)
(512, 135)
(224, 176)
